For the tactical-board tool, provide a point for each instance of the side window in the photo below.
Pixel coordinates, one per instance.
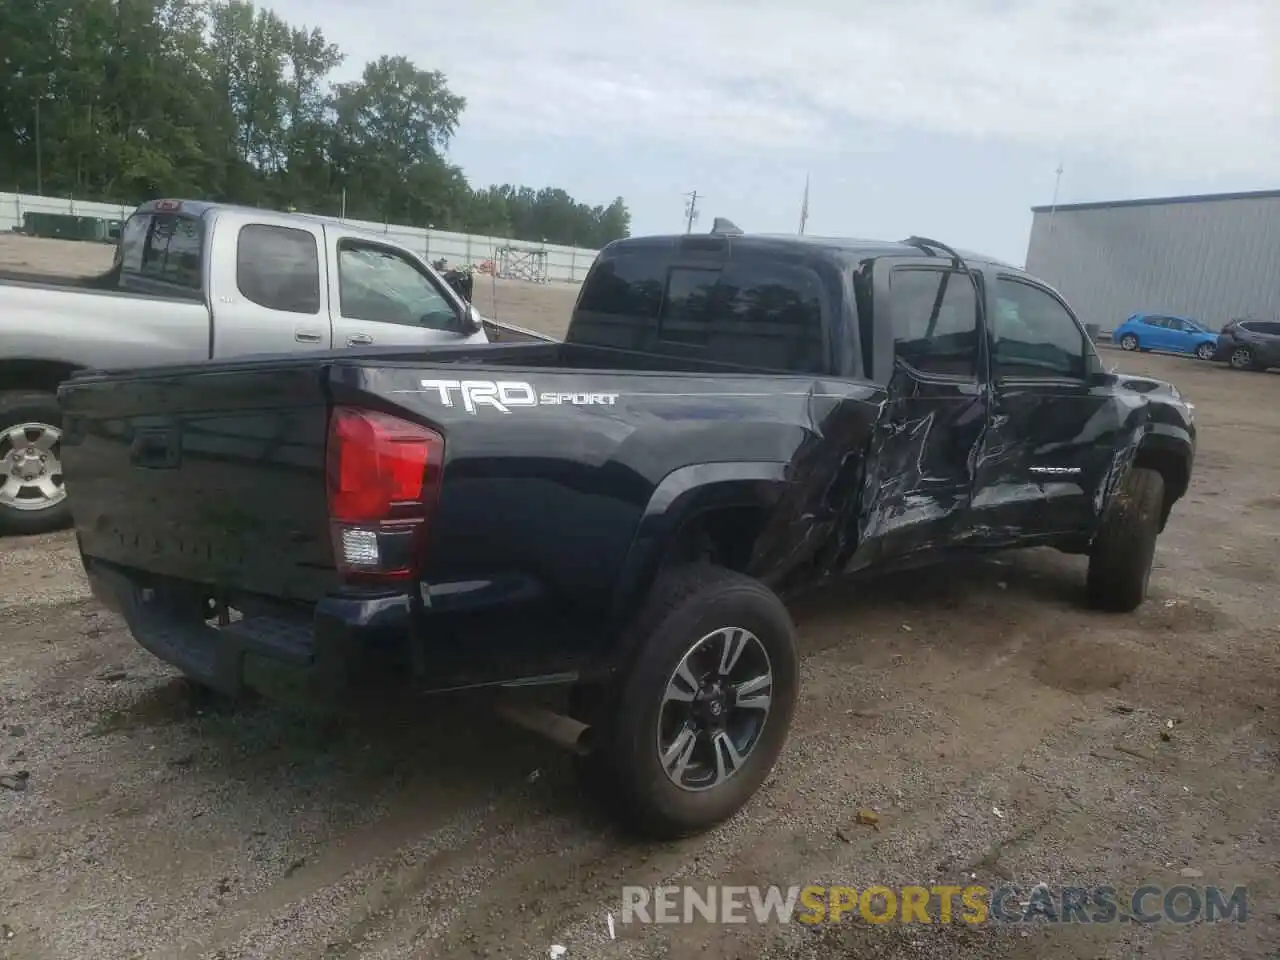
(620, 301)
(935, 321)
(379, 285)
(1034, 335)
(768, 315)
(279, 268)
(171, 252)
(1154, 321)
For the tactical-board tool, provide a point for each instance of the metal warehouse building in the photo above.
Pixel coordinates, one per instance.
(1212, 257)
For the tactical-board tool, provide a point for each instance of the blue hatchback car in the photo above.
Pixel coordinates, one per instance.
(1151, 331)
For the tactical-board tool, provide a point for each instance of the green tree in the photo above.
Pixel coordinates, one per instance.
(125, 100)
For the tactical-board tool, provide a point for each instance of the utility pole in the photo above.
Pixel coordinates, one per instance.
(39, 158)
(804, 205)
(691, 210)
(1053, 207)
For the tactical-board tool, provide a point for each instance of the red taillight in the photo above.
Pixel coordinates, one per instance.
(383, 478)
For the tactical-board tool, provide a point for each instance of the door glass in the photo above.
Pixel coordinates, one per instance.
(381, 286)
(279, 268)
(935, 321)
(1034, 335)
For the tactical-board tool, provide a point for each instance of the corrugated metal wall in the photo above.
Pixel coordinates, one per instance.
(1209, 259)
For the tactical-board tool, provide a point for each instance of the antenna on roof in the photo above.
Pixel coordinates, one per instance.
(726, 226)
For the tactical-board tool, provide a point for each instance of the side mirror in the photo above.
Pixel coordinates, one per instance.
(1101, 376)
(471, 320)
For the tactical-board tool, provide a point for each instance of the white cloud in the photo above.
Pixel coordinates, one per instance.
(1185, 87)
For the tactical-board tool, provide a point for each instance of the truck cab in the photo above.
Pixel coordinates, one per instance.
(282, 282)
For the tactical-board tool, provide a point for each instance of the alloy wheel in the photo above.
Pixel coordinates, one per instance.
(30, 467)
(714, 709)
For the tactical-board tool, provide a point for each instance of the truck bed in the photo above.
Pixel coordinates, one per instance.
(82, 325)
(101, 281)
(214, 472)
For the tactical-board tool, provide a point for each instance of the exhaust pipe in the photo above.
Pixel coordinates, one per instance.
(559, 729)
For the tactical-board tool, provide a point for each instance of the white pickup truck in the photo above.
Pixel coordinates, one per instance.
(199, 281)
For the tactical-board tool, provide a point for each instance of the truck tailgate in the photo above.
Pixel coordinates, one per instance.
(210, 476)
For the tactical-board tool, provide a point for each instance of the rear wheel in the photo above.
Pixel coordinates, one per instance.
(1205, 351)
(1241, 358)
(33, 498)
(1128, 342)
(699, 718)
(1124, 549)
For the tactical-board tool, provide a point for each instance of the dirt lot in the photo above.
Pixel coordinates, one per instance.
(1002, 733)
(541, 307)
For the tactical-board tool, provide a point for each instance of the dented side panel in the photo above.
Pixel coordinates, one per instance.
(918, 482)
(1053, 458)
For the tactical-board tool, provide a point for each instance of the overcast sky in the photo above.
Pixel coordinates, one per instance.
(945, 118)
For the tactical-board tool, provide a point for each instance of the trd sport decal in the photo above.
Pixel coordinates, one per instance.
(502, 395)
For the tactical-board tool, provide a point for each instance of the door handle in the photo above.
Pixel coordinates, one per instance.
(359, 340)
(302, 336)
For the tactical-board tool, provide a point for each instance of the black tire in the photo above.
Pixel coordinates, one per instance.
(624, 771)
(1205, 351)
(1129, 342)
(1241, 358)
(36, 407)
(1122, 553)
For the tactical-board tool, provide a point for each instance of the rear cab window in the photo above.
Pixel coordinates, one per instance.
(748, 311)
(162, 254)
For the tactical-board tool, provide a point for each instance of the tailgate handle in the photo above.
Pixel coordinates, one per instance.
(155, 448)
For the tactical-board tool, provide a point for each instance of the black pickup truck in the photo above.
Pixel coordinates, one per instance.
(729, 419)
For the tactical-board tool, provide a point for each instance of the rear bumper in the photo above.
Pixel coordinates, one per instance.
(338, 646)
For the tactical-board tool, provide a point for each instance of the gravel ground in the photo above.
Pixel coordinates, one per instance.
(1001, 732)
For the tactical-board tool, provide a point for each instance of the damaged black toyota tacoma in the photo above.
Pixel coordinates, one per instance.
(729, 419)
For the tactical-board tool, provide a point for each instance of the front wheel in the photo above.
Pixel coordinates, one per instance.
(1205, 351)
(704, 707)
(1128, 342)
(1123, 551)
(32, 496)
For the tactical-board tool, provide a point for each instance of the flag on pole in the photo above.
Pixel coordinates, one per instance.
(804, 206)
